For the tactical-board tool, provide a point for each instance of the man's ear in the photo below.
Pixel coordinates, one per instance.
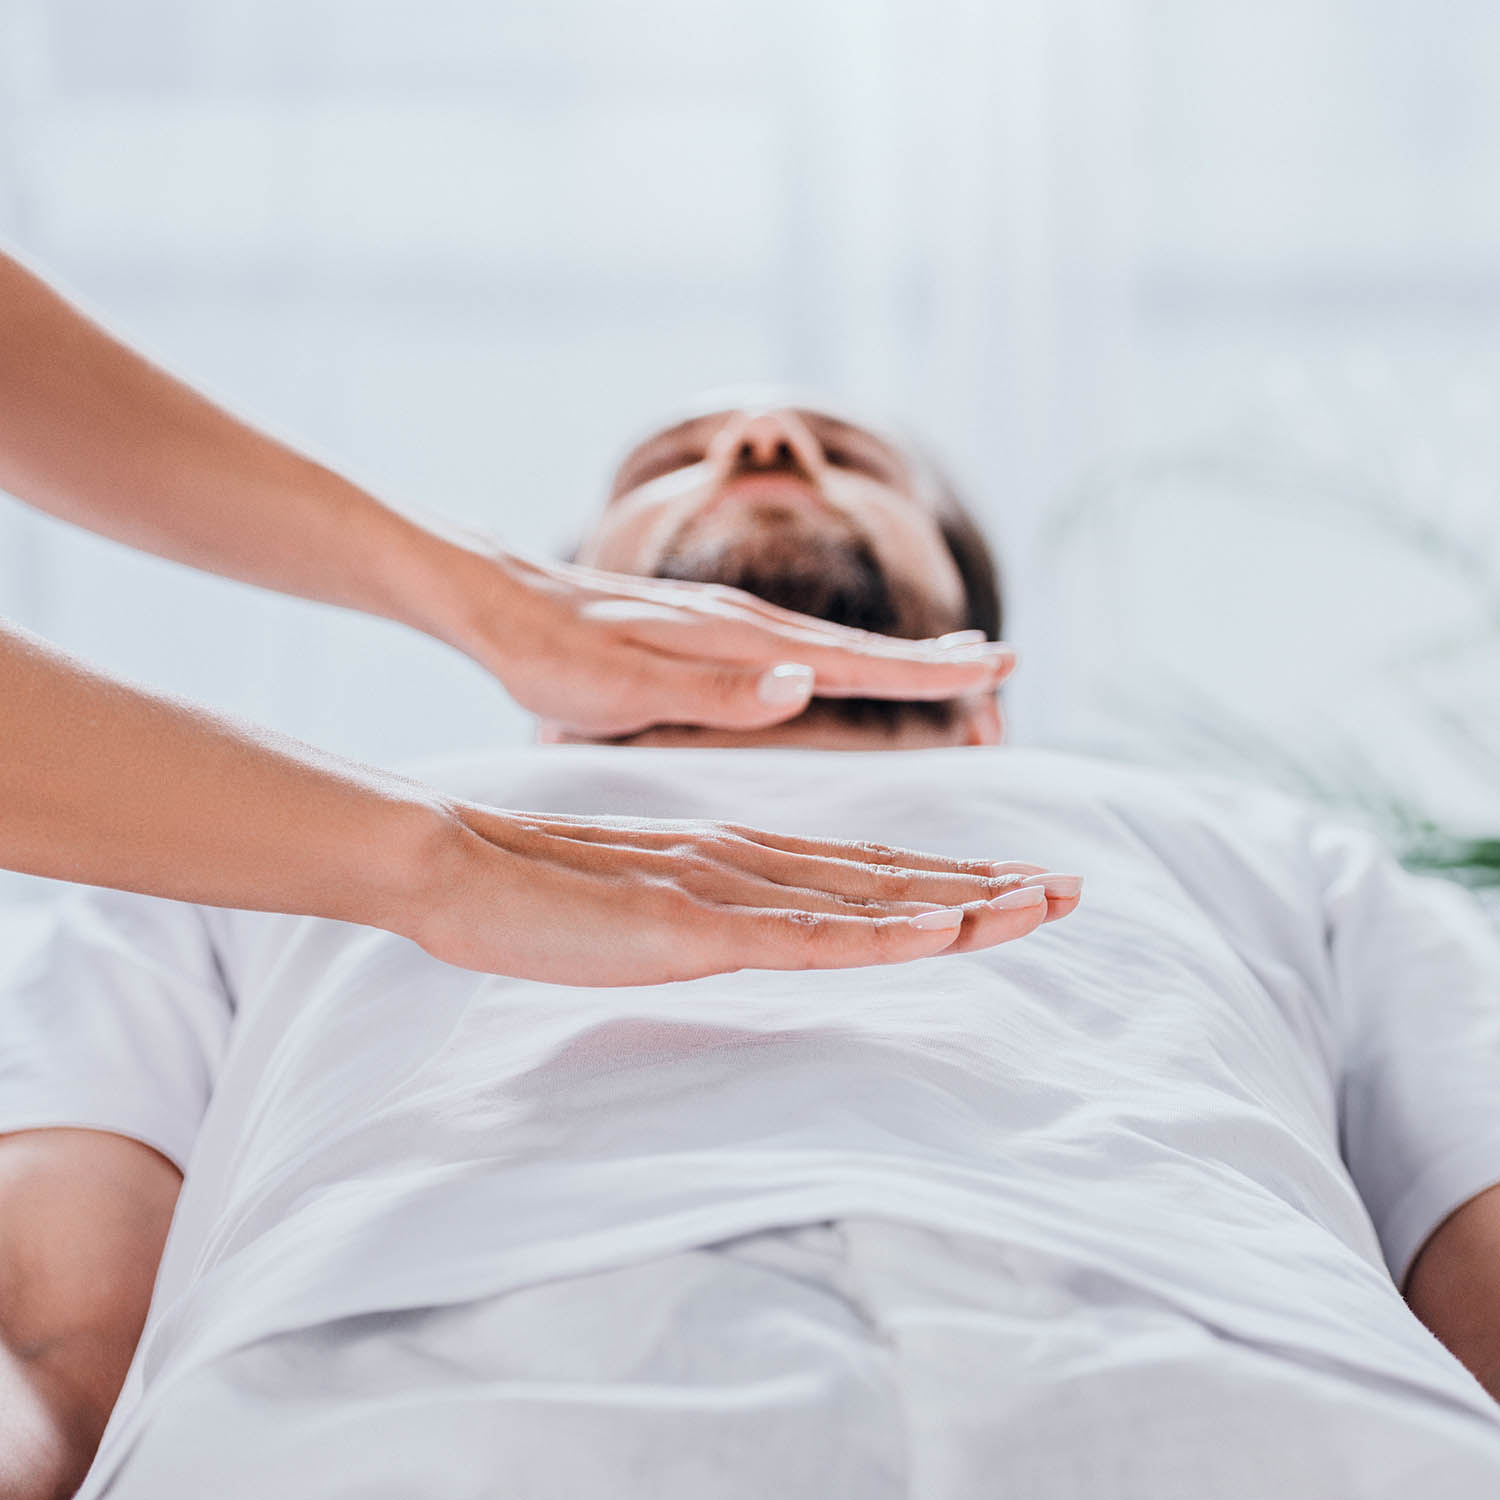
(984, 720)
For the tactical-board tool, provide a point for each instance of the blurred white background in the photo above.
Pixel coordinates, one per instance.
(1201, 302)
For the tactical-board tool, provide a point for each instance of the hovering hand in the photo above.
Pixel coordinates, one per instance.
(609, 654)
(613, 901)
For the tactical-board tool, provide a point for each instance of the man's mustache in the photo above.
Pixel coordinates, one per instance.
(832, 577)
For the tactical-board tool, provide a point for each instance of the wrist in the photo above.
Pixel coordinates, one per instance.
(415, 852)
(454, 883)
(453, 585)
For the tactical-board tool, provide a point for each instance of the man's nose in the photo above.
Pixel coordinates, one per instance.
(764, 442)
(776, 439)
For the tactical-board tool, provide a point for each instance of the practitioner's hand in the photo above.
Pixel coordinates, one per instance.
(608, 654)
(612, 901)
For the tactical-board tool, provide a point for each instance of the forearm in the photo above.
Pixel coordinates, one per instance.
(106, 784)
(96, 434)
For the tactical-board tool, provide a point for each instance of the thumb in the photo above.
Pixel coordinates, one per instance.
(723, 695)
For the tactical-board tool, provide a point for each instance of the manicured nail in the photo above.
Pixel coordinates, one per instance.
(1016, 867)
(1061, 886)
(960, 638)
(788, 683)
(1022, 896)
(938, 921)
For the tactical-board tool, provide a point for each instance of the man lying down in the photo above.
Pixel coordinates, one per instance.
(1124, 1209)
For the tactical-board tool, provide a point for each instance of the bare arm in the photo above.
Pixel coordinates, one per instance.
(83, 1218)
(96, 434)
(109, 785)
(105, 784)
(1454, 1286)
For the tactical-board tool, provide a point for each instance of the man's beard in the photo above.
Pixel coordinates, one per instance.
(834, 576)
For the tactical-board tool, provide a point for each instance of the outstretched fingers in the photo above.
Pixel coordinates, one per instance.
(782, 870)
(866, 852)
(794, 939)
(683, 899)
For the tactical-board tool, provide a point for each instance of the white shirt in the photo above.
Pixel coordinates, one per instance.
(1246, 1079)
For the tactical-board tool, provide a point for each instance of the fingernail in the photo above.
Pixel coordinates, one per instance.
(1061, 886)
(938, 921)
(960, 638)
(1021, 896)
(788, 683)
(1016, 867)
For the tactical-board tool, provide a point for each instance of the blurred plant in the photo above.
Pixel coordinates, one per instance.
(1340, 777)
(1474, 862)
(1354, 455)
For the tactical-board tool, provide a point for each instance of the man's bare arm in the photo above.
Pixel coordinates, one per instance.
(83, 1218)
(1454, 1286)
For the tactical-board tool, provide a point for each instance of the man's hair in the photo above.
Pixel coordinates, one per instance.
(983, 601)
(983, 609)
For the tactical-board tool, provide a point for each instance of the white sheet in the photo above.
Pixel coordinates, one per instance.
(1121, 1137)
